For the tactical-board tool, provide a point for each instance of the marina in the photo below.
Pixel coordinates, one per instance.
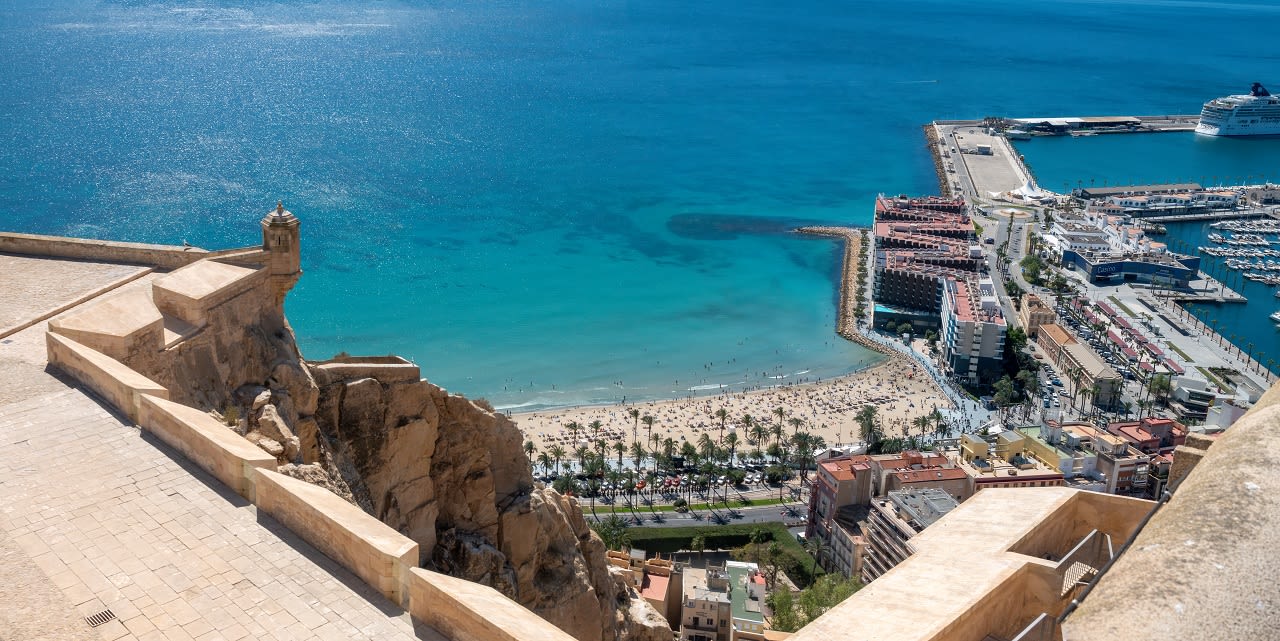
(979, 161)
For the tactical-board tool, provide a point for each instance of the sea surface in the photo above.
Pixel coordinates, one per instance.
(557, 203)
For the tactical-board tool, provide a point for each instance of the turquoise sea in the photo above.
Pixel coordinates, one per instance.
(552, 203)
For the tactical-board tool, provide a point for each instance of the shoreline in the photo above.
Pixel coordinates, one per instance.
(901, 390)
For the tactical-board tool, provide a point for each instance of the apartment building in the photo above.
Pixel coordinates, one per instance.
(1003, 463)
(1033, 314)
(707, 611)
(894, 520)
(973, 331)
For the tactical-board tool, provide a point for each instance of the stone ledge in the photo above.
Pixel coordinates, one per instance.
(162, 256)
(189, 293)
(208, 443)
(122, 387)
(466, 611)
(369, 548)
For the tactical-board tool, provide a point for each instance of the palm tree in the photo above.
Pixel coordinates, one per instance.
(796, 423)
(668, 449)
(580, 453)
(731, 443)
(637, 453)
(921, 422)
(648, 424)
(595, 428)
(544, 461)
(815, 547)
(806, 445)
(573, 430)
(557, 453)
(529, 448)
(635, 425)
(757, 431)
(776, 430)
(706, 447)
(781, 413)
(620, 449)
(866, 419)
(939, 427)
(722, 414)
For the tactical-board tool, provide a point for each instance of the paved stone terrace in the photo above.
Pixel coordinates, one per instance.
(35, 286)
(95, 515)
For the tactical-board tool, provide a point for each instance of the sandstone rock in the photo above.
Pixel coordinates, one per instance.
(268, 445)
(271, 425)
(261, 399)
(316, 475)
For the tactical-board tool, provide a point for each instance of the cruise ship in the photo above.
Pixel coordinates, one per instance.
(1255, 114)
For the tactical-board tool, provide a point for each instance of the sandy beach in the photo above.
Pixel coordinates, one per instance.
(900, 389)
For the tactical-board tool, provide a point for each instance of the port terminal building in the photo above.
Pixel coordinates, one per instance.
(1171, 270)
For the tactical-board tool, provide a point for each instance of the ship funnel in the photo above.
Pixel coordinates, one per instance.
(1258, 90)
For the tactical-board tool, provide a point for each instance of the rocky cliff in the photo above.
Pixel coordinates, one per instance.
(440, 468)
(452, 475)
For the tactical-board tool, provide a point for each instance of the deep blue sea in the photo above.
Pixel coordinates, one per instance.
(551, 203)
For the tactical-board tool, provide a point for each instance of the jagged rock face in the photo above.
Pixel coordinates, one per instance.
(452, 476)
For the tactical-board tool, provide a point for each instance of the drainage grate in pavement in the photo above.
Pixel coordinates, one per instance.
(95, 620)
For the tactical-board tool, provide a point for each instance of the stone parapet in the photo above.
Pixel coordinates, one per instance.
(384, 369)
(119, 326)
(189, 293)
(466, 611)
(122, 387)
(208, 443)
(368, 547)
(162, 256)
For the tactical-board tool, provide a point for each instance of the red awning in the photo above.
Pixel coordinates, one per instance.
(1174, 367)
(1147, 367)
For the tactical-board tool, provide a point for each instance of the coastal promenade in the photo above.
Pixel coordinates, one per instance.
(98, 518)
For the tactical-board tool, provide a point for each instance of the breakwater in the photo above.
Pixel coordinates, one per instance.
(935, 150)
(851, 290)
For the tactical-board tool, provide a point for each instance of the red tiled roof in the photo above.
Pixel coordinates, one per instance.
(655, 587)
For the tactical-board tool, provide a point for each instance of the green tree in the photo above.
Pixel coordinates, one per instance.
(867, 427)
(620, 450)
(825, 593)
(635, 418)
(648, 424)
(731, 446)
(1016, 339)
(557, 453)
(723, 415)
(698, 544)
(784, 611)
(529, 449)
(613, 531)
(1160, 386)
(792, 613)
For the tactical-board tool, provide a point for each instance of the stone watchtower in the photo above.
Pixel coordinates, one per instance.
(280, 241)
